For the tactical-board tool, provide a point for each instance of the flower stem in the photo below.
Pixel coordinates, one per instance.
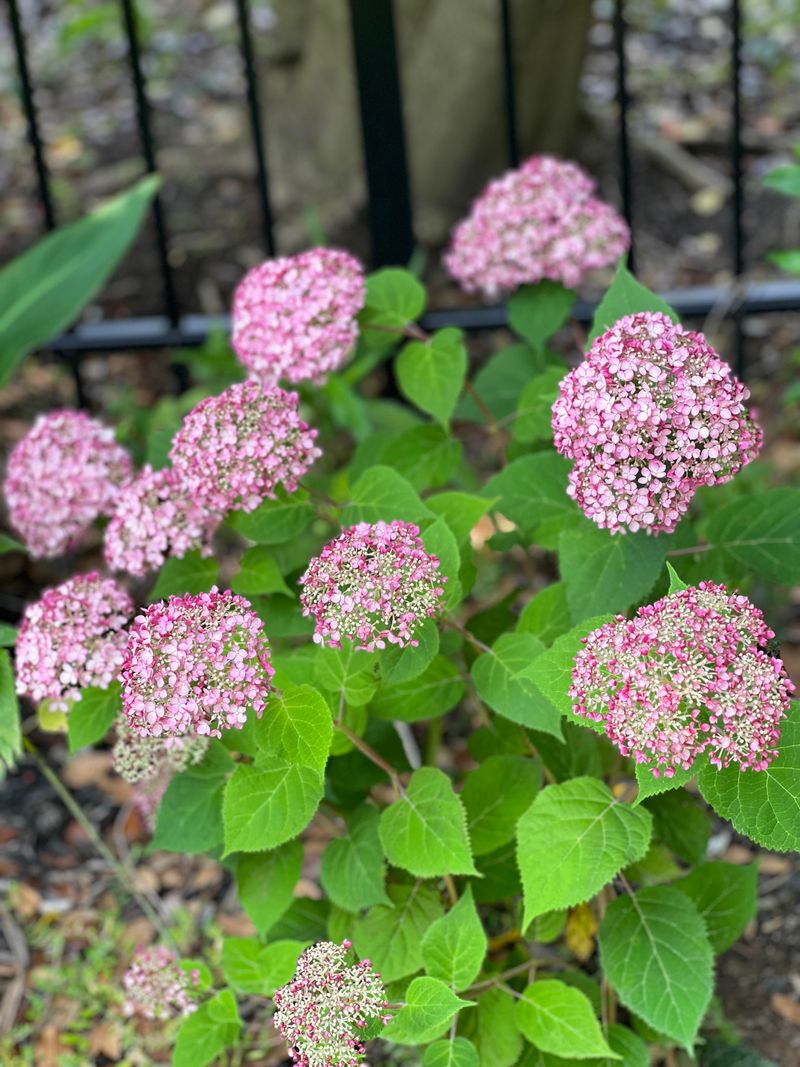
(373, 756)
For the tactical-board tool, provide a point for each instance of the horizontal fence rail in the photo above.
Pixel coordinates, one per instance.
(389, 207)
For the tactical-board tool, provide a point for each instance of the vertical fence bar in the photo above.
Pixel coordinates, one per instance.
(738, 234)
(381, 111)
(509, 82)
(623, 102)
(31, 116)
(256, 130)
(149, 153)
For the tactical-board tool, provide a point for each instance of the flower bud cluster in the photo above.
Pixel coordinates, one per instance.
(294, 318)
(687, 675)
(324, 1010)
(73, 637)
(195, 665)
(372, 585)
(137, 758)
(156, 986)
(649, 416)
(63, 474)
(539, 221)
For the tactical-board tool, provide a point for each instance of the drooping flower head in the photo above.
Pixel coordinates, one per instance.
(156, 517)
(294, 318)
(688, 675)
(649, 416)
(72, 638)
(195, 665)
(323, 1012)
(156, 986)
(63, 474)
(539, 221)
(235, 449)
(372, 584)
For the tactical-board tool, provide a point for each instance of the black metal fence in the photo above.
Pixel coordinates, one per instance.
(389, 199)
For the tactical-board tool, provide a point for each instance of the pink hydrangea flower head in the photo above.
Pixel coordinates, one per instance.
(147, 796)
(323, 1012)
(63, 474)
(72, 638)
(156, 986)
(691, 674)
(156, 517)
(235, 449)
(373, 584)
(650, 415)
(294, 318)
(539, 221)
(195, 665)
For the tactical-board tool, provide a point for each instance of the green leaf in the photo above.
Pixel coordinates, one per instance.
(268, 804)
(538, 311)
(533, 417)
(552, 671)
(676, 583)
(656, 954)
(275, 521)
(250, 967)
(353, 872)
(456, 1053)
(400, 665)
(784, 179)
(425, 831)
(259, 574)
(650, 785)
(626, 296)
(429, 1007)
(394, 298)
(606, 572)
(495, 796)
(190, 813)
(10, 729)
(391, 936)
(9, 544)
(44, 290)
(206, 1033)
(427, 456)
(560, 1019)
(546, 615)
(503, 679)
(499, 382)
(573, 840)
(454, 947)
(91, 717)
(431, 373)
(764, 805)
(726, 896)
(493, 1028)
(682, 822)
(191, 574)
(760, 533)
(431, 694)
(345, 670)
(532, 492)
(788, 260)
(8, 635)
(265, 882)
(381, 494)
(719, 1054)
(625, 1044)
(461, 512)
(440, 541)
(298, 727)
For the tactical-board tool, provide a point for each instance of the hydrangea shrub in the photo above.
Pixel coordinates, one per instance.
(504, 640)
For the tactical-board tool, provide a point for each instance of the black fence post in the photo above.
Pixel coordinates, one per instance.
(509, 82)
(738, 234)
(381, 110)
(623, 102)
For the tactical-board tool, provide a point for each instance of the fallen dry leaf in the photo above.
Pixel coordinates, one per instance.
(580, 930)
(105, 1040)
(47, 1050)
(237, 925)
(787, 1007)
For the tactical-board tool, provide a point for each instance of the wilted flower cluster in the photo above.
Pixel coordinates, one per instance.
(324, 1010)
(73, 637)
(156, 986)
(294, 318)
(195, 665)
(156, 516)
(372, 584)
(688, 675)
(233, 450)
(62, 475)
(538, 221)
(649, 416)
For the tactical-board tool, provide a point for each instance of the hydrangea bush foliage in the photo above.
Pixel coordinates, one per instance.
(502, 636)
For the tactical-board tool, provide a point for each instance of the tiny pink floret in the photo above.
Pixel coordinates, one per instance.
(650, 415)
(196, 664)
(63, 475)
(156, 986)
(539, 221)
(294, 318)
(72, 638)
(373, 585)
(689, 675)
